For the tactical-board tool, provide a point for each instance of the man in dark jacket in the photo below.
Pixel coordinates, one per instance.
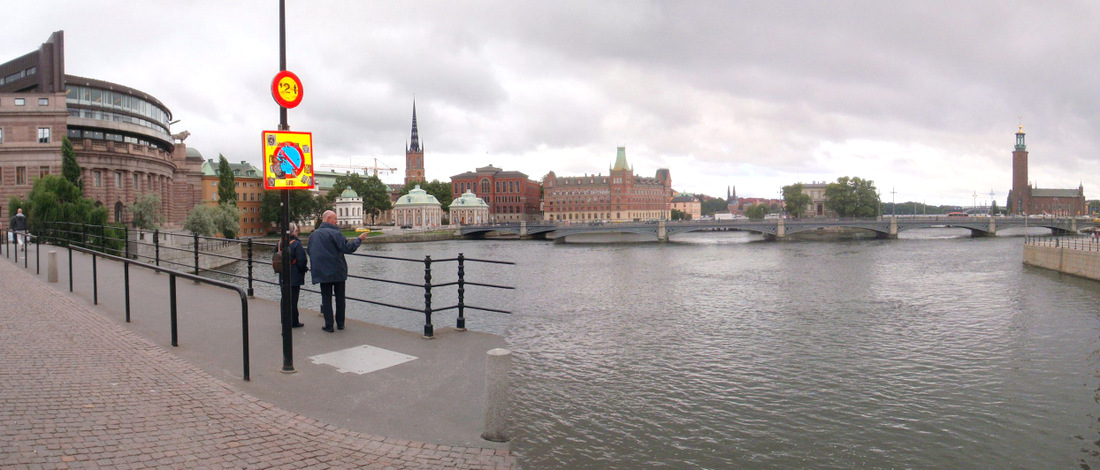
(19, 226)
(327, 246)
(299, 264)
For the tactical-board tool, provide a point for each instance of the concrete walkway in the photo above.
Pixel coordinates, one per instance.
(81, 387)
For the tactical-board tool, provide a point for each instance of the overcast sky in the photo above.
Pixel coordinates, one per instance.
(923, 97)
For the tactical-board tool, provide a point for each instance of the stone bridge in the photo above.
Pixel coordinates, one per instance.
(772, 229)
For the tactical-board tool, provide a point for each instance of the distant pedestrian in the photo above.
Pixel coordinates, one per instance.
(327, 246)
(299, 264)
(19, 226)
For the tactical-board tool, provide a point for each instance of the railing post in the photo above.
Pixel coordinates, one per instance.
(196, 238)
(250, 291)
(156, 247)
(172, 307)
(126, 240)
(83, 235)
(429, 331)
(70, 247)
(244, 333)
(16, 245)
(461, 326)
(95, 282)
(102, 238)
(126, 284)
(37, 256)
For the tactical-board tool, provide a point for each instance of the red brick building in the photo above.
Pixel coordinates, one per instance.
(511, 195)
(620, 196)
(1026, 200)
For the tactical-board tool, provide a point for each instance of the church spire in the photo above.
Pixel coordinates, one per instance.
(415, 145)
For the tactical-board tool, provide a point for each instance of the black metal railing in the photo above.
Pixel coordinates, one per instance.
(72, 245)
(1071, 242)
(129, 243)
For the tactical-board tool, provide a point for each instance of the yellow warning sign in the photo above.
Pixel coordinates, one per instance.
(288, 160)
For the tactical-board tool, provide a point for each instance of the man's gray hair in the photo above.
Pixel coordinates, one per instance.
(292, 228)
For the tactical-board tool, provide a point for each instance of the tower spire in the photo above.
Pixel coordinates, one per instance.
(415, 145)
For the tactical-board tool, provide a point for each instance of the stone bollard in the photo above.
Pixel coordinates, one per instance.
(51, 266)
(498, 364)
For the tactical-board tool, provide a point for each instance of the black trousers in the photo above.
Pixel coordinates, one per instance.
(327, 290)
(295, 291)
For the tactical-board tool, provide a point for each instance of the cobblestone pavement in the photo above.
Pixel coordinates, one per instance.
(78, 390)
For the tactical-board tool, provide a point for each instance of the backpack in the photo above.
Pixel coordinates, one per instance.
(277, 259)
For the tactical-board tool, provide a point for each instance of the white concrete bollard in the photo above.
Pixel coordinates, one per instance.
(498, 364)
(51, 266)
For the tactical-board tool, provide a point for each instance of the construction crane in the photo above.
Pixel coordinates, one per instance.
(375, 168)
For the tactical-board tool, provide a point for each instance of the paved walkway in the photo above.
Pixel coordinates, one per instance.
(81, 389)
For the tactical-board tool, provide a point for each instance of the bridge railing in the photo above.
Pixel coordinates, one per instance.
(1072, 242)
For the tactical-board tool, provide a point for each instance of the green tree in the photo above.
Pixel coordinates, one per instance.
(679, 215)
(227, 220)
(54, 199)
(1094, 206)
(376, 197)
(303, 205)
(374, 193)
(145, 212)
(795, 201)
(227, 187)
(713, 205)
(200, 220)
(852, 197)
(70, 169)
(993, 209)
(756, 211)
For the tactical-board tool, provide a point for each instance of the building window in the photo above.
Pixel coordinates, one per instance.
(98, 177)
(43, 101)
(135, 181)
(1, 136)
(20, 175)
(43, 171)
(43, 135)
(20, 102)
(118, 179)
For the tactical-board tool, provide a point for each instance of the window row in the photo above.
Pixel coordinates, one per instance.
(17, 75)
(43, 135)
(75, 134)
(21, 175)
(121, 101)
(106, 116)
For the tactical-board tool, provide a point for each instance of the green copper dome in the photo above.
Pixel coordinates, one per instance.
(348, 193)
(416, 197)
(468, 199)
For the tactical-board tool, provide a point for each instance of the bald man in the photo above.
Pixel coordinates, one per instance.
(327, 246)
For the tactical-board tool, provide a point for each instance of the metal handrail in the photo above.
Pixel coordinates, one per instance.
(428, 309)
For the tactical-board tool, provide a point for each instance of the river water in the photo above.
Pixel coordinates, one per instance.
(719, 350)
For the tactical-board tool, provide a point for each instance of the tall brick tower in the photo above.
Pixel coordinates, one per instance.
(1020, 198)
(622, 186)
(414, 155)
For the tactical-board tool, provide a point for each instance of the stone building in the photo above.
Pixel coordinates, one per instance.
(689, 205)
(349, 209)
(418, 209)
(620, 196)
(511, 196)
(120, 135)
(468, 210)
(249, 186)
(1024, 199)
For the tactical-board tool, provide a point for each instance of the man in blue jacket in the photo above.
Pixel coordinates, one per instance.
(327, 246)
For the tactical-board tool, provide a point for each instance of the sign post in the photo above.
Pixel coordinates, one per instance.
(293, 95)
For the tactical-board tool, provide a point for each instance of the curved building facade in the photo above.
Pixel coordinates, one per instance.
(121, 136)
